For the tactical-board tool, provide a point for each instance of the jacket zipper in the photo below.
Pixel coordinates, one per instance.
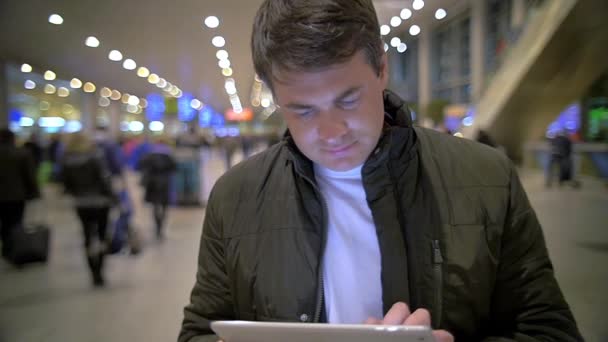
(320, 291)
(437, 263)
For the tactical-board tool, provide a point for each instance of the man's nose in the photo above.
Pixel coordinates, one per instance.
(332, 129)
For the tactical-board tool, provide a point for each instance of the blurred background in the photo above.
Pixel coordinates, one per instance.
(133, 80)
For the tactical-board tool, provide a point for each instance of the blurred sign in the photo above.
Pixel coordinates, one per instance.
(455, 110)
(245, 115)
(185, 112)
(156, 107)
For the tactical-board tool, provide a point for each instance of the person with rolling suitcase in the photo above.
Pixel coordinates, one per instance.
(19, 185)
(87, 179)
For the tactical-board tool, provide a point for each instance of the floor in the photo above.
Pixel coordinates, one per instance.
(146, 293)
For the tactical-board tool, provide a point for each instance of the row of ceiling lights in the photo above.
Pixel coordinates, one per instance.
(222, 55)
(134, 104)
(414, 30)
(130, 64)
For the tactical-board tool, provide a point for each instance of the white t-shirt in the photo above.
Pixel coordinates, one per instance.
(351, 265)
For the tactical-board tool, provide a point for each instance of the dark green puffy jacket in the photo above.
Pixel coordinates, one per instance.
(456, 233)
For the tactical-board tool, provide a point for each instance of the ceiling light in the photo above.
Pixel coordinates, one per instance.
(136, 126)
(153, 78)
(116, 95)
(67, 109)
(125, 98)
(227, 72)
(414, 30)
(89, 87)
(105, 92)
(55, 19)
(49, 75)
(385, 29)
(178, 94)
(395, 21)
(418, 4)
(29, 84)
(133, 100)
(129, 64)
(395, 41)
(224, 63)
(222, 54)
(212, 21)
(91, 42)
(26, 67)
(440, 14)
(63, 92)
(156, 126)
(265, 103)
(132, 109)
(401, 48)
(143, 103)
(143, 72)
(196, 104)
(104, 101)
(49, 89)
(218, 41)
(405, 14)
(75, 83)
(115, 55)
(385, 47)
(175, 91)
(168, 87)
(44, 105)
(161, 83)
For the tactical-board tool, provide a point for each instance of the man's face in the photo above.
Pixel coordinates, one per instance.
(335, 115)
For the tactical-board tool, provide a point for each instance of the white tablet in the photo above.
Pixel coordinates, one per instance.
(246, 331)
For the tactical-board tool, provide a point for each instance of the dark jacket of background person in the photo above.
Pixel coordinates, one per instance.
(87, 179)
(17, 175)
(18, 184)
(157, 168)
(34, 148)
(455, 229)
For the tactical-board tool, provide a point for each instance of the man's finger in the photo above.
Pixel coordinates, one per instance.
(419, 317)
(373, 320)
(397, 315)
(442, 336)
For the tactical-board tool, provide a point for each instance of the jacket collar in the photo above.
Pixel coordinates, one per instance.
(397, 122)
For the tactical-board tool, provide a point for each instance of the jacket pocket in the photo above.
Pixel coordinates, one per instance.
(471, 264)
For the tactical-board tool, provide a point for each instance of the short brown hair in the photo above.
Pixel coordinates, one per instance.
(308, 35)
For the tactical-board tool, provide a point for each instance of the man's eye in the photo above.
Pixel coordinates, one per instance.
(349, 104)
(304, 113)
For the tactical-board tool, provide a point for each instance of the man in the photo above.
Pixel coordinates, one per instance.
(359, 217)
(18, 184)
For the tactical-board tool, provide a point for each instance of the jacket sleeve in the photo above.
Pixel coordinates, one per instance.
(527, 303)
(210, 298)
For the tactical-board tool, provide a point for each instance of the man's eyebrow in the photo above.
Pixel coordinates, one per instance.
(300, 106)
(348, 92)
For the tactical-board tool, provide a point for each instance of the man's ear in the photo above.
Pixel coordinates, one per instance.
(384, 72)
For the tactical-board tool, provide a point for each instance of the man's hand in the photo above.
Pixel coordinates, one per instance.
(400, 314)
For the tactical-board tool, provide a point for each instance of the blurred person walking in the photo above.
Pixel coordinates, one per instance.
(86, 177)
(18, 184)
(32, 145)
(561, 159)
(157, 167)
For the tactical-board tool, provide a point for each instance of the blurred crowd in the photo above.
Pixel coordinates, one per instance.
(91, 169)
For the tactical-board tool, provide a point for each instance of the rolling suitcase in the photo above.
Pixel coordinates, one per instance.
(30, 243)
